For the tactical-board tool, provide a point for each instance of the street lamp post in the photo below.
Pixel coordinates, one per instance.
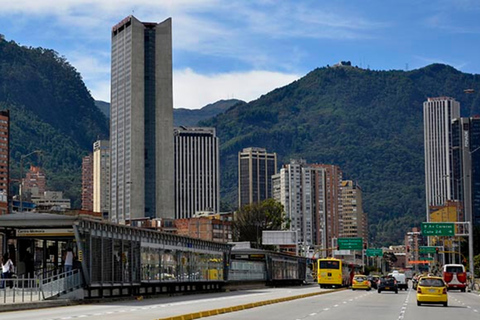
(470, 216)
(22, 157)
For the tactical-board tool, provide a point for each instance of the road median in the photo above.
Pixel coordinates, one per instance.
(213, 312)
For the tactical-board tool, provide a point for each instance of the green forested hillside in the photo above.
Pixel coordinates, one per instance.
(370, 123)
(51, 110)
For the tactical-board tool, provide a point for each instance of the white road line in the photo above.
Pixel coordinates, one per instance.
(336, 305)
(404, 307)
(326, 309)
(312, 314)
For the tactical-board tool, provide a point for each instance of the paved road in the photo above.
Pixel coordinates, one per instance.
(150, 309)
(339, 305)
(364, 305)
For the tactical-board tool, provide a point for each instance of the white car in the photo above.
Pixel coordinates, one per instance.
(401, 279)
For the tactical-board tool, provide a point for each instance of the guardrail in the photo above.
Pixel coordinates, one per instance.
(18, 290)
(15, 290)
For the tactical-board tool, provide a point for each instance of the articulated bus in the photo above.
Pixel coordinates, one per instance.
(333, 273)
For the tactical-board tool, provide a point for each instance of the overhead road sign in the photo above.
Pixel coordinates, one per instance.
(427, 249)
(438, 229)
(374, 252)
(350, 243)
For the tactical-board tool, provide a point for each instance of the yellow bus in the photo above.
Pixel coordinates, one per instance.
(333, 273)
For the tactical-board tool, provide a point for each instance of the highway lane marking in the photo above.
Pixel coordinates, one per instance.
(313, 314)
(404, 306)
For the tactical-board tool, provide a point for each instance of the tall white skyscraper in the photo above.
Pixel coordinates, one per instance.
(101, 176)
(141, 121)
(438, 114)
(197, 178)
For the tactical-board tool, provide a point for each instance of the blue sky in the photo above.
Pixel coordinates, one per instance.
(243, 49)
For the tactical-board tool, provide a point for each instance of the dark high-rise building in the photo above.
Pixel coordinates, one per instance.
(465, 171)
(255, 170)
(141, 122)
(475, 158)
(4, 160)
(197, 178)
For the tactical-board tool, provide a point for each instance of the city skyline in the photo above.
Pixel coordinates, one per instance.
(261, 46)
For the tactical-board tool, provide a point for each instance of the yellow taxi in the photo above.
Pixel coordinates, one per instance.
(432, 290)
(361, 282)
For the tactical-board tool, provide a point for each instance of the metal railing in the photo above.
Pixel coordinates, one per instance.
(18, 290)
(14, 290)
(61, 283)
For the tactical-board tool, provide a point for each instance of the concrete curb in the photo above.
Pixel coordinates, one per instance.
(35, 305)
(213, 312)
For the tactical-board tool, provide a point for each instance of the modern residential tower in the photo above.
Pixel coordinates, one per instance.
(354, 219)
(141, 121)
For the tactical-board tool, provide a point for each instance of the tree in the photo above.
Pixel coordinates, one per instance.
(476, 266)
(252, 219)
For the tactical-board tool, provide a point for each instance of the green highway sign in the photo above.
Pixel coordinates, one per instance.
(350, 243)
(427, 249)
(374, 252)
(438, 229)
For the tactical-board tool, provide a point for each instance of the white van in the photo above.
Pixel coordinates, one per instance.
(401, 279)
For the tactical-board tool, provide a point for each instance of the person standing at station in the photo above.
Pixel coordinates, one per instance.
(68, 260)
(7, 271)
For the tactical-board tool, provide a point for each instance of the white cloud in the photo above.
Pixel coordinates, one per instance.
(459, 65)
(193, 90)
(100, 90)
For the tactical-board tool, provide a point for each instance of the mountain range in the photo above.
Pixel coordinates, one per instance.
(183, 116)
(368, 122)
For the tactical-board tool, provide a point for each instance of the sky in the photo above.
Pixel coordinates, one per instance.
(243, 49)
